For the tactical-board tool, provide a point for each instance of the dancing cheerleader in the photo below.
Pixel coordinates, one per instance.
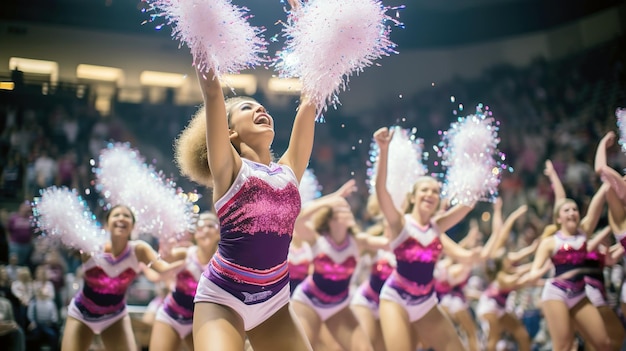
(450, 280)
(245, 290)
(408, 306)
(323, 298)
(100, 307)
(174, 317)
(616, 200)
(299, 259)
(503, 279)
(564, 302)
(366, 299)
(599, 256)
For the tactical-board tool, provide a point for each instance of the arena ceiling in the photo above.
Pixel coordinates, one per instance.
(429, 23)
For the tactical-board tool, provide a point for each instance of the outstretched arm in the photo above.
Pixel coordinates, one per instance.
(394, 218)
(496, 217)
(590, 221)
(336, 200)
(301, 141)
(593, 243)
(521, 254)
(508, 226)
(557, 186)
(151, 259)
(600, 159)
(546, 246)
(224, 161)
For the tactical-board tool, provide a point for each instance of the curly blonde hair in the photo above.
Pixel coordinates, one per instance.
(190, 149)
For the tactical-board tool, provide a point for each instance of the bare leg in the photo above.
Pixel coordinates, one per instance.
(164, 338)
(590, 321)
(371, 326)
(516, 328)
(76, 336)
(217, 327)
(495, 329)
(281, 331)
(397, 331)
(559, 324)
(439, 332)
(347, 331)
(466, 321)
(119, 336)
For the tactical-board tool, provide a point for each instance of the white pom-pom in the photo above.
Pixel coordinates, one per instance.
(62, 215)
(159, 207)
(310, 189)
(473, 163)
(330, 40)
(620, 114)
(216, 31)
(404, 165)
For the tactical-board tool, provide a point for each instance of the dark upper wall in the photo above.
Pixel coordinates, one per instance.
(429, 24)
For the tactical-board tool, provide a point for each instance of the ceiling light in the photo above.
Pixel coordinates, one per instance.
(162, 79)
(285, 85)
(103, 73)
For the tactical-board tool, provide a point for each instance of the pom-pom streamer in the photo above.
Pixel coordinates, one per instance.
(329, 40)
(404, 165)
(159, 207)
(62, 215)
(473, 163)
(310, 189)
(216, 31)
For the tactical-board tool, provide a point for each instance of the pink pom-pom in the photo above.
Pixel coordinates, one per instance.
(62, 215)
(216, 31)
(473, 163)
(310, 189)
(159, 207)
(329, 40)
(404, 166)
(620, 114)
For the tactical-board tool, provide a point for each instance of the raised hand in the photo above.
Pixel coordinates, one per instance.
(383, 137)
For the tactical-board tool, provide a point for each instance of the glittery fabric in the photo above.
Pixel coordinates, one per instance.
(570, 252)
(333, 266)
(498, 294)
(106, 280)
(257, 216)
(417, 251)
(179, 304)
(299, 259)
(381, 270)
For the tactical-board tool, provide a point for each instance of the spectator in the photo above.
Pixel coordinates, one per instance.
(21, 234)
(42, 284)
(11, 334)
(22, 288)
(55, 269)
(44, 319)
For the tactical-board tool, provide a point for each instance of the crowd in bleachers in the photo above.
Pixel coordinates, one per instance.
(556, 110)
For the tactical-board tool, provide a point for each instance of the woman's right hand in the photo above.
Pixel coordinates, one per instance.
(383, 137)
(209, 83)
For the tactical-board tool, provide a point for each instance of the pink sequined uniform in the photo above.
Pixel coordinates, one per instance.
(299, 259)
(570, 252)
(179, 303)
(257, 217)
(333, 266)
(384, 264)
(106, 280)
(417, 250)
